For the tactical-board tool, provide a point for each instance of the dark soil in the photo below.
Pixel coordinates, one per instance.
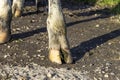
(93, 33)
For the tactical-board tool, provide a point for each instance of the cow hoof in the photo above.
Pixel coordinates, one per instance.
(4, 37)
(55, 57)
(17, 13)
(67, 58)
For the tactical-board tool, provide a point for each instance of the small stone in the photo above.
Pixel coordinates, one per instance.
(81, 34)
(100, 79)
(38, 50)
(91, 64)
(70, 14)
(49, 75)
(119, 17)
(34, 56)
(5, 56)
(18, 29)
(103, 72)
(97, 46)
(117, 78)
(112, 73)
(106, 75)
(109, 43)
(117, 20)
(83, 66)
(8, 46)
(42, 58)
(27, 28)
(108, 64)
(14, 29)
(97, 25)
(95, 14)
(32, 21)
(38, 55)
(106, 68)
(95, 78)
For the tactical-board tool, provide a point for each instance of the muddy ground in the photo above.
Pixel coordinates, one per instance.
(93, 33)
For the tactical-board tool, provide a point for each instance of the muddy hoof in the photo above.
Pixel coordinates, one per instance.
(17, 13)
(4, 37)
(54, 56)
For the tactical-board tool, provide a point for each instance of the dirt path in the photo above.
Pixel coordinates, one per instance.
(94, 37)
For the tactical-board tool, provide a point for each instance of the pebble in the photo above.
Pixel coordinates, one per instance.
(38, 55)
(42, 73)
(49, 75)
(108, 64)
(103, 72)
(100, 79)
(39, 50)
(42, 58)
(109, 43)
(34, 55)
(96, 15)
(5, 56)
(92, 64)
(97, 25)
(106, 75)
(83, 66)
(18, 29)
(32, 21)
(112, 73)
(95, 78)
(8, 46)
(106, 68)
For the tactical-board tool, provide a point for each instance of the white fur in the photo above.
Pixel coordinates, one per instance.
(5, 6)
(55, 16)
(19, 3)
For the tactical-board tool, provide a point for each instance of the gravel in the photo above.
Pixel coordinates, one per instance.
(37, 72)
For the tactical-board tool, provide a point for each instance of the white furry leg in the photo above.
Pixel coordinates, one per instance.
(65, 50)
(58, 43)
(17, 7)
(5, 20)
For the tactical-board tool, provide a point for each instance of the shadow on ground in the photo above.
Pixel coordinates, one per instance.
(27, 34)
(103, 13)
(84, 47)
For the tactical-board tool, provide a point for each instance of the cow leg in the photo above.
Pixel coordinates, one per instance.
(65, 50)
(58, 44)
(5, 20)
(54, 46)
(17, 7)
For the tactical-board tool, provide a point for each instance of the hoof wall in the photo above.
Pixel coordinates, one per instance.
(66, 56)
(4, 37)
(17, 13)
(55, 57)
